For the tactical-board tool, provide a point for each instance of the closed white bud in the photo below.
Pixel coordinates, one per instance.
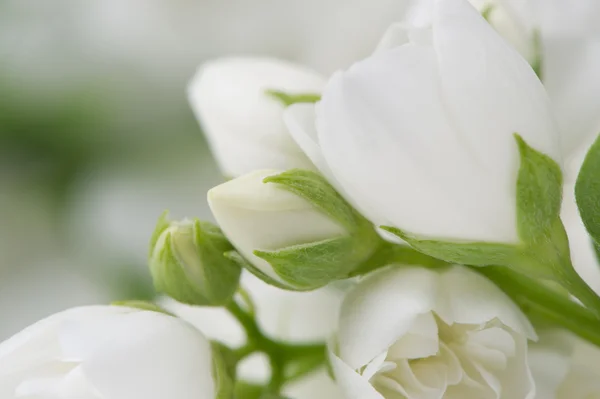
(289, 239)
(242, 122)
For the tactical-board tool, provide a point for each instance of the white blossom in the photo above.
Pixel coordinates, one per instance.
(105, 352)
(420, 136)
(417, 333)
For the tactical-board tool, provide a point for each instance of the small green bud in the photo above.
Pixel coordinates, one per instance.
(187, 262)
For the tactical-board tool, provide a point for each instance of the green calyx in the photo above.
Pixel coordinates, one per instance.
(311, 265)
(187, 262)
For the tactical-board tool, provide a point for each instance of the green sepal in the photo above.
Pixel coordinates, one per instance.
(315, 189)
(313, 265)
(224, 371)
(587, 191)
(543, 250)
(468, 253)
(288, 99)
(242, 262)
(193, 269)
(539, 194)
(162, 224)
(142, 305)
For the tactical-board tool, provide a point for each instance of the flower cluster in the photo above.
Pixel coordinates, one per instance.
(423, 186)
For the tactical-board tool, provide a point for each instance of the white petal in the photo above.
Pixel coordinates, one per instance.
(549, 360)
(571, 77)
(353, 385)
(316, 385)
(215, 323)
(142, 354)
(492, 92)
(466, 297)
(420, 341)
(388, 138)
(381, 309)
(228, 97)
(300, 119)
(396, 35)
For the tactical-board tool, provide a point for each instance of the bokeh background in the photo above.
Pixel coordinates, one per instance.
(97, 138)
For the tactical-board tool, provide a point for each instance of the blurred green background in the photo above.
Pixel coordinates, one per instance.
(97, 138)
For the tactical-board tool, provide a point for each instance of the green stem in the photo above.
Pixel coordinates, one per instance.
(537, 298)
(580, 289)
(288, 361)
(389, 253)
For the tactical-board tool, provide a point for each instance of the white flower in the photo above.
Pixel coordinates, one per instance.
(242, 122)
(565, 367)
(420, 137)
(262, 216)
(568, 53)
(104, 352)
(283, 315)
(417, 333)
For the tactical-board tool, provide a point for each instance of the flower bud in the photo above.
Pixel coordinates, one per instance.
(241, 120)
(293, 229)
(187, 262)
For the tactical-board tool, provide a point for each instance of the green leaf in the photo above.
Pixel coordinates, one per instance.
(587, 191)
(539, 194)
(468, 253)
(288, 99)
(315, 264)
(597, 252)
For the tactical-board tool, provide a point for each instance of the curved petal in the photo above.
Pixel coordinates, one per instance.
(389, 142)
(316, 385)
(491, 91)
(396, 35)
(571, 77)
(466, 297)
(300, 119)
(382, 308)
(142, 354)
(353, 385)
